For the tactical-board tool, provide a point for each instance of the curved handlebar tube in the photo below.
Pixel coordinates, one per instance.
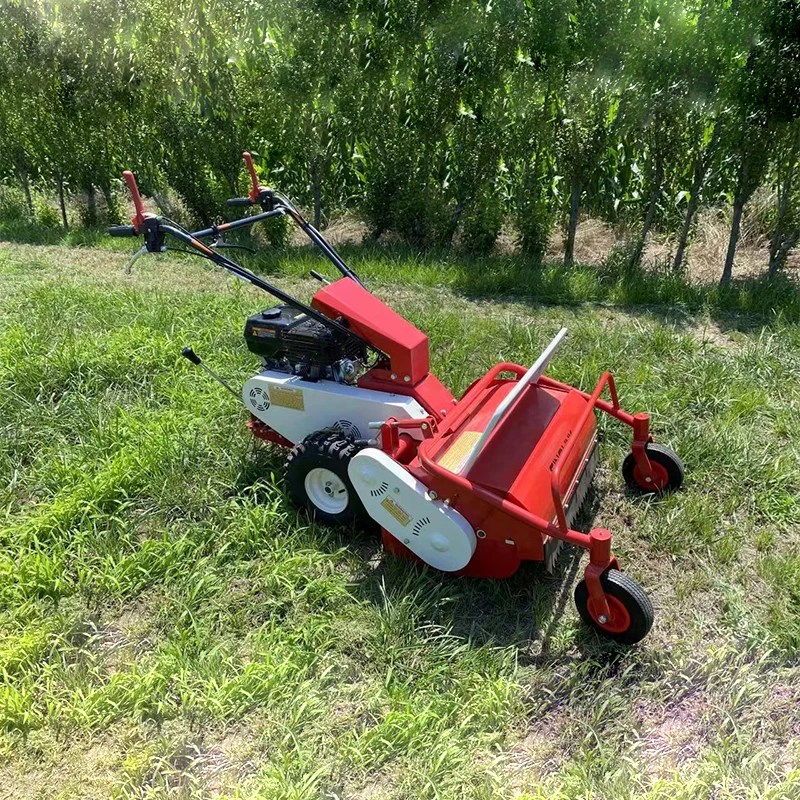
(154, 230)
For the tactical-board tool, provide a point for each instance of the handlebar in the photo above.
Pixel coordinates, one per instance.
(122, 230)
(239, 201)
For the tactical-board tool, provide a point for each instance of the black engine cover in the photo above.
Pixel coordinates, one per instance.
(283, 333)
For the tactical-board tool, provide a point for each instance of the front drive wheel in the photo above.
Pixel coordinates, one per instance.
(630, 611)
(316, 478)
(667, 470)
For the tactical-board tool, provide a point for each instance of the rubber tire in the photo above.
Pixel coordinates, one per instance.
(631, 595)
(332, 451)
(663, 456)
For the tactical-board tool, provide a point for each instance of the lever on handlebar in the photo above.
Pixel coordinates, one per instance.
(141, 215)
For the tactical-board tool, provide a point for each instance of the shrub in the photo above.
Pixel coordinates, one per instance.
(13, 207)
(535, 223)
(481, 224)
(46, 215)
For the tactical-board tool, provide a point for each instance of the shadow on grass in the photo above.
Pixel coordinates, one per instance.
(524, 611)
(743, 305)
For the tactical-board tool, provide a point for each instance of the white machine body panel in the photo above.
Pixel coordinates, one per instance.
(400, 504)
(296, 408)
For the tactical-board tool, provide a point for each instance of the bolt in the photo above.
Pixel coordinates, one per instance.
(602, 619)
(433, 495)
(480, 534)
(394, 376)
(407, 379)
(396, 490)
(406, 541)
(444, 412)
(648, 480)
(424, 426)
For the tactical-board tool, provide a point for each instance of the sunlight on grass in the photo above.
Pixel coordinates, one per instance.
(171, 627)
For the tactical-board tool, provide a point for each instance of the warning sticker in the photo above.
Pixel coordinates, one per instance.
(285, 397)
(398, 513)
(458, 452)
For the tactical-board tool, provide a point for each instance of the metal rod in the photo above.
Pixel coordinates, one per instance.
(219, 380)
(238, 223)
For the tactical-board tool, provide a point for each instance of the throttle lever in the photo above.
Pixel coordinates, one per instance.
(140, 252)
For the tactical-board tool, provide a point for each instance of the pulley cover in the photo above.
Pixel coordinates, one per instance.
(400, 504)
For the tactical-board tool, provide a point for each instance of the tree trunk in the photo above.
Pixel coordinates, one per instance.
(575, 202)
(648, 219)
(26, 184)
(62, 202)
(777, 255)
(778, 259)
(91, 205)
(727, 272)
(691, 210)
(317, 192)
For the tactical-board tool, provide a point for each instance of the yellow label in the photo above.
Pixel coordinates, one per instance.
(398, 513)
(285, 397)
(459, 451)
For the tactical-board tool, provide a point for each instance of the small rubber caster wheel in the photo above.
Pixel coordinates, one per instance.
(316, 478)
(667, 470)
(630, 614)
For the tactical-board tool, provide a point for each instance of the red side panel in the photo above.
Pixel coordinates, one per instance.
(406, 346)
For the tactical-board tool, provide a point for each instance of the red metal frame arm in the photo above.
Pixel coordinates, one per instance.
(607, 378)
(612, 408)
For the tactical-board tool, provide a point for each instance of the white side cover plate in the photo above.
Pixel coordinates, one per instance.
(399, 503)
(296, 408)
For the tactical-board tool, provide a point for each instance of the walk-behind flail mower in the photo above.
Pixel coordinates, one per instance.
(470, 485)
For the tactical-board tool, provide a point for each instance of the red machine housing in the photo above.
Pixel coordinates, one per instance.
(516, 494)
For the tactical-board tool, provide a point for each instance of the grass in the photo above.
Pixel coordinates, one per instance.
(170, 627)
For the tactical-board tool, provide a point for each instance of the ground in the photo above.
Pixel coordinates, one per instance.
(171, 627)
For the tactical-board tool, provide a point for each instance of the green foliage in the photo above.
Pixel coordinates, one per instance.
(46, 215)
(12, 204)
(427, 119)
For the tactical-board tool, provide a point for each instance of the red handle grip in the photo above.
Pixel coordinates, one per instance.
(130, 179)
(256, 190)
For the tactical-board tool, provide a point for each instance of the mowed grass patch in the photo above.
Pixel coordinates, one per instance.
(171, 627)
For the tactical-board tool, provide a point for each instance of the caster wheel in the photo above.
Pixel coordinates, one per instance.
(667, 470)
(316, 478)
(630, 611)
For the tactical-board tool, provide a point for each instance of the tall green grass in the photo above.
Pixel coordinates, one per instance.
(171, 627)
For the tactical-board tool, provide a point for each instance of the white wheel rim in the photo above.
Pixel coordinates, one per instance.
(326, 490)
